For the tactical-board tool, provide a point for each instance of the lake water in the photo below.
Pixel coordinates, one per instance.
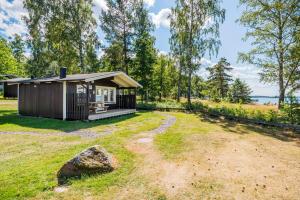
(267, 100)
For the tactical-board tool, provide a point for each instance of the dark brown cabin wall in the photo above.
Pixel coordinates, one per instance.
(10, 91)
(41, 100)
(77, 105)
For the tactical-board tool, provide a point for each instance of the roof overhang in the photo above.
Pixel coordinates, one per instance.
(120, 78)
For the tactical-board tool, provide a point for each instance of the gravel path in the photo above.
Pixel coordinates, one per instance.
(86, 133)
(168, 122)
(83, 133)
(165, 125)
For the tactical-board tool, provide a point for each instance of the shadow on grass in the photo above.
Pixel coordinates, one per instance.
(10, 118)
(246, 128)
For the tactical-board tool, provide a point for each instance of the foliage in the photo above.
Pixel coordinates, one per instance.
(200, 19)
(178, 43)
(8, 63)
(18, 49)
(145, 52)
(272, 26)
(62, 32)
(239, 92)
(288, 115)
(219, 79)
(291, 110)
(117, 22)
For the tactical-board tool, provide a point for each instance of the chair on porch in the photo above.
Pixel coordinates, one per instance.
(98, 106)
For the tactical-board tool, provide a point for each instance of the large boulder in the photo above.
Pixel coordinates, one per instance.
(93, 160)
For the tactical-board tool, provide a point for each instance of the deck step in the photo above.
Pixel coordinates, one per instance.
(111, 113)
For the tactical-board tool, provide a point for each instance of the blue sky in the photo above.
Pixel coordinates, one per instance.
(231, 35)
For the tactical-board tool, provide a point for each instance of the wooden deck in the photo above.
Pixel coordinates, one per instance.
(111, 113)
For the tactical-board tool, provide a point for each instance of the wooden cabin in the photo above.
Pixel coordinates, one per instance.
(10, 87)
(79, 96)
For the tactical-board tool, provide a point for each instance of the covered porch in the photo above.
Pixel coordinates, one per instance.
(101, 98)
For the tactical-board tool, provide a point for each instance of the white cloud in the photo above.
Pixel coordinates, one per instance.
(11, 14)
(163, 53)
(162, 18)
(100, 5)
(149, 3)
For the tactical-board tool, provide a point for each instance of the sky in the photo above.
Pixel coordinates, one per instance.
(231, 34)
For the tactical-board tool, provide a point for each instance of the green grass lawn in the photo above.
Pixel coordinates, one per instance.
(28, 164)
(206, 158)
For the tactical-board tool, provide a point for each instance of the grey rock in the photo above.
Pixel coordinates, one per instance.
(94, 160)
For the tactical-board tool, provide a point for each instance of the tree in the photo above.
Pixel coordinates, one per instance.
(61, 34)
(83, 25)
(295, 65)
(198, 86)
(239, 92)
(112, 58)
(117, 22)
(178, 42)
(145, 52)
(8, 64)
(200, 19)
(17, 46)
(272, 25)
(219, 79)
(161, 74)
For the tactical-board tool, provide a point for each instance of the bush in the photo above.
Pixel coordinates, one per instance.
(289, 114)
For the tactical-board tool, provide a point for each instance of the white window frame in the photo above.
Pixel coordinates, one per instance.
(108, 94)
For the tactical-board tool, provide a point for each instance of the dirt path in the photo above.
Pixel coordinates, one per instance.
(221, 165)
(168, 176)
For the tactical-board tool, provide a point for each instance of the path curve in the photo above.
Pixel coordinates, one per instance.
(171, 177)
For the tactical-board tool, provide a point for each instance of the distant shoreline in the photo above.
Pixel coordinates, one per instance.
(270, 97)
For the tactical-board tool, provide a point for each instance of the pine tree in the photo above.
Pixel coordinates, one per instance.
(117, 22)
(145, 53)
(219, 79)
(239, 92)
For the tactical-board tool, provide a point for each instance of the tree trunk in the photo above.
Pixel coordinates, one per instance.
(125, 64)
(179, 81)
(81, 57)
(189, 88)
(281, 87)
(190, 56)
(281, 65)
(161, 80)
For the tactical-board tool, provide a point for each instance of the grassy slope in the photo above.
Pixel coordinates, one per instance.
(173, 142)
(28, 164)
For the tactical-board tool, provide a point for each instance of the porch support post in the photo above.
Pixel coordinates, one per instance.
(64, 100)
(87, 101)
(18, 98)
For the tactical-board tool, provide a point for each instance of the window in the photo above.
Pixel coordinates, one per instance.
(111, 95)
(81, 89)
(106, 94)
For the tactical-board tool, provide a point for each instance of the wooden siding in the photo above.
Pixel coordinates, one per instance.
(77, 104)
(10, 91)
(41, 100)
